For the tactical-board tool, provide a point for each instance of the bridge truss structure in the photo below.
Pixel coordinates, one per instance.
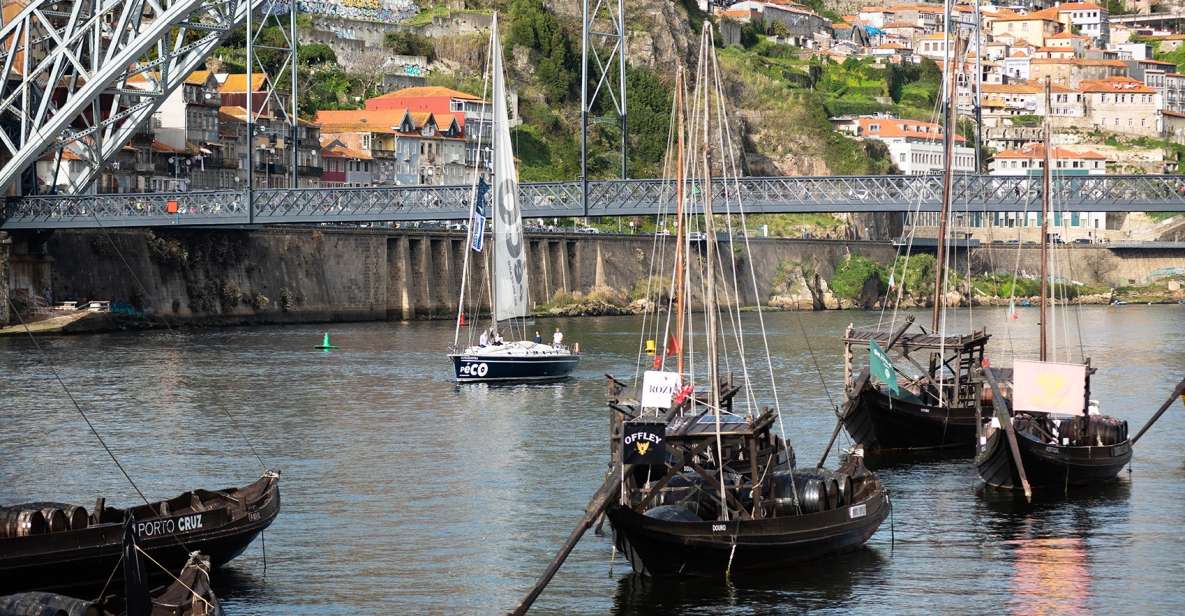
(921, 193)
(81, 76)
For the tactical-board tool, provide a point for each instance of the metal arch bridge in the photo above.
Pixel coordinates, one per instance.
(976, 193)
(84, 75)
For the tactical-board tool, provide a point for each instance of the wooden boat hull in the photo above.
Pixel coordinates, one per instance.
(662, 548)
(879, 422)
(512, 369)
(1049, 466)
(85, 558)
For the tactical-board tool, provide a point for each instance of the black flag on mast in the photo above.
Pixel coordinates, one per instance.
(479, 215)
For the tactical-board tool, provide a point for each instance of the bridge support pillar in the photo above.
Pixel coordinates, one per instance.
(540, 284)
(441, 291)
(5, 245)
(398, 288)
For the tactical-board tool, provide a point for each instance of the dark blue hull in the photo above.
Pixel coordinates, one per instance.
(512, 369)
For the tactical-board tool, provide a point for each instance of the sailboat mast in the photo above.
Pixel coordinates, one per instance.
(948, 176)
(1045, 187)
(680, 312)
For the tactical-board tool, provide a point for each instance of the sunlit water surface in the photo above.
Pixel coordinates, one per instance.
(405, 494)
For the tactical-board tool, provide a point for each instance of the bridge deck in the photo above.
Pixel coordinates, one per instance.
(979, 193)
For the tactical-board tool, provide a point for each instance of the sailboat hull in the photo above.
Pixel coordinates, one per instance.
(479, 368)
(1049, 466)
(708, 549)
(879, 422)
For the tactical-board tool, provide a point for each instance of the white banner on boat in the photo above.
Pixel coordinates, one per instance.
(659, 388)
(510, 273)
(1049, 387)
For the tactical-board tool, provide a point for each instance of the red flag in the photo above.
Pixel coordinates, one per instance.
(672, 346)
(657, 361)
(682, 394)
(461, 320)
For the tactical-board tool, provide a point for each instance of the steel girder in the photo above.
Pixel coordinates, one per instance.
(84, 74)
(1141, 193)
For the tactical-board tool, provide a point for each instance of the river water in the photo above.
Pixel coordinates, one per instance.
(404, 494)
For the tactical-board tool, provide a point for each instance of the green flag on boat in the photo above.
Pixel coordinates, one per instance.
(881, 367)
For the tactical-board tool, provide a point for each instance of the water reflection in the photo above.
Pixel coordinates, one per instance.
(821, 585)
(1050, 576)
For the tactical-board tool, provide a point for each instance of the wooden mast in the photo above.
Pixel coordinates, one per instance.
(948, 147)
(710, 301)
(677, 287)
(1045, 186)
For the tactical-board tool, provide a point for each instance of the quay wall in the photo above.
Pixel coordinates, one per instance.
(301, 274)
(326, 274)
(1090, 264)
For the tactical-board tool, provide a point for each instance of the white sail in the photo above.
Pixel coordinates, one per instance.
(510, 273)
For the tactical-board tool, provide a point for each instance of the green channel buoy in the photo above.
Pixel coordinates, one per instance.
(325, 346)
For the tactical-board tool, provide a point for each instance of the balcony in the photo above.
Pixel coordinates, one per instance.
(309, 170)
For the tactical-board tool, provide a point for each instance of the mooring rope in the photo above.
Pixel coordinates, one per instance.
(177, 579)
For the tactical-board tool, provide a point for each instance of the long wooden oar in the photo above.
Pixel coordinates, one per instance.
(1006, 422)
(856, 388)
(601, 500)
(1179, 392)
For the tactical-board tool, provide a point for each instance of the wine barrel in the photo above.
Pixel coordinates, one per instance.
(22, 523)
(55, 520)
(76, 517)
(814, 496)
(832, 494)
(845, 490)
(672, 513)
(47, 603)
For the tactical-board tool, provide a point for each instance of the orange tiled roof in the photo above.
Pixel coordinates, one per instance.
(1037, 150)
(361, 120)
(236, 112)
(1119, 85)
(1067, 35)
(427, 91)
(237, 83)
(895, 127)
(333, 148)
(197, 78)
(1049, 14)
(1081, 62)
(1079, 6)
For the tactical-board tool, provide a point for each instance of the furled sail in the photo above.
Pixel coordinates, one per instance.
(510, 274)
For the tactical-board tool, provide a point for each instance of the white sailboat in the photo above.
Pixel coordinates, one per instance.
(492, 358)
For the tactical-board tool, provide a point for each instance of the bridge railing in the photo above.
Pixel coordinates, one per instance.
(605, 197)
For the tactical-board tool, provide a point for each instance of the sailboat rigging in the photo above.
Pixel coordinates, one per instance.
(492, 359)
(1048, 433)
(698, 486)
(934, 404)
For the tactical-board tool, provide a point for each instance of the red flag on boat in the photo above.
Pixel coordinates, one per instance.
(682, 394)
(672, 346)
(461, 320)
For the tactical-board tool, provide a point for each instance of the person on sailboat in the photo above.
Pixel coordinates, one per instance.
(538, 338)
(498, 340)
(557, 339)
(484, 339)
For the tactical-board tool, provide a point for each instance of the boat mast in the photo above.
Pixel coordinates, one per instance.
(473, 195)
(710, 301)
(948, 146)
(1045, 186)
(680, 313)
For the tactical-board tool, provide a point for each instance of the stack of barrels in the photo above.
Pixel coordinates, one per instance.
(815, 494)
(40, 518)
